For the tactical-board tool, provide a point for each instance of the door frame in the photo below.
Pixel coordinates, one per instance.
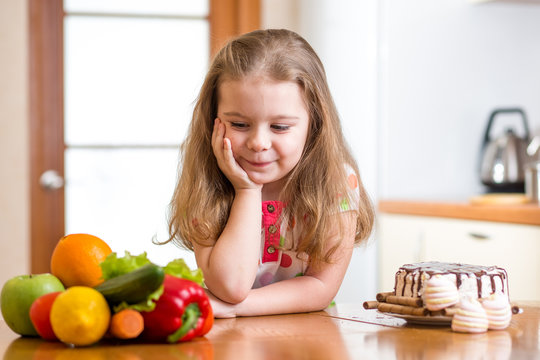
(46, 124)
(226, 18)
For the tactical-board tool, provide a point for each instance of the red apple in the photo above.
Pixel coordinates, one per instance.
(39, 315)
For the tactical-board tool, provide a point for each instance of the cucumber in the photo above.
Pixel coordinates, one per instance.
(134, 286)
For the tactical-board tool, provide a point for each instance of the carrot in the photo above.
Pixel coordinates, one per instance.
(126, 324)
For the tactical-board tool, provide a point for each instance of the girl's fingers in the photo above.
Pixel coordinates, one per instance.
(222, 147)
(217, 138)
(227, 145)
(228, 154)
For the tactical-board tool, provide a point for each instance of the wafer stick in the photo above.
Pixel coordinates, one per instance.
(402, 309)
(437, 313)
(381, 297)
(404, 300)
(371, 305)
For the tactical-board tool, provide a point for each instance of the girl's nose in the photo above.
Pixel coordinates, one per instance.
(259, 141)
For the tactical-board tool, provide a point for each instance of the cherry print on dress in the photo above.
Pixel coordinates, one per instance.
(286, 261)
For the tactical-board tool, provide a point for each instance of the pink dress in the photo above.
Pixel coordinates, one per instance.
(278, 260)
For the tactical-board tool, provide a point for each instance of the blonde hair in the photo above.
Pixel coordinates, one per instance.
(203, 195)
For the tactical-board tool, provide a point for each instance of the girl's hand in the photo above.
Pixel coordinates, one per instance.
(220, 308)
(226, 161)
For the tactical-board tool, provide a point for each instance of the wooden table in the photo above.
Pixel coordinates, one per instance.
(345, 331)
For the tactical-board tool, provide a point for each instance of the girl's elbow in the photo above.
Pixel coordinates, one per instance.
(234, 297)
(234, 294)
(230, 288)
(325, 299)
(323, 304)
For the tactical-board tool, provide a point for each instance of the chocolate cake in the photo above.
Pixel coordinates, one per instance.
(471, 280)
(470, 298)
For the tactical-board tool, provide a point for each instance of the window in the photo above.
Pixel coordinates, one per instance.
(132, 70)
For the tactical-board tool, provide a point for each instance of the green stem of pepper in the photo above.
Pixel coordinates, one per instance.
(189, 321)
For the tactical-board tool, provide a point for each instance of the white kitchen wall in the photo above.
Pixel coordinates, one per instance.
(445, 65)
(14, 169)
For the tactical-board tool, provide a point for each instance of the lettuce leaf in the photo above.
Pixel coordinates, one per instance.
(114, 266)
(179, 268)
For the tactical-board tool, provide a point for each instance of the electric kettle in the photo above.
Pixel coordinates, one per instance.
(503, 158)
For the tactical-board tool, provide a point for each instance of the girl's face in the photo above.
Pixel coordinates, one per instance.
(267, 123)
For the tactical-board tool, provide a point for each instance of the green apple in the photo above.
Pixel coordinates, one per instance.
(17, 296)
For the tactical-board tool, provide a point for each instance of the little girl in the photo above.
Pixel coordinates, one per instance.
(268, 196)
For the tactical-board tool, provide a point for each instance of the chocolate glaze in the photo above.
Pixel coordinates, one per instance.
(435, 267)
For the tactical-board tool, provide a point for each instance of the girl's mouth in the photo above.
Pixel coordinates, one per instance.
(259, 164)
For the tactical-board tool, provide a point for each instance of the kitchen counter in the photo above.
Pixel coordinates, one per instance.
(528, 214)
(345, 331)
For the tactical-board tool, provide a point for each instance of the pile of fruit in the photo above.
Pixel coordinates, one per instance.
(91, 293)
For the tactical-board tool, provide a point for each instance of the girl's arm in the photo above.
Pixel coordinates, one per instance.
(230, 265)
(312, 292)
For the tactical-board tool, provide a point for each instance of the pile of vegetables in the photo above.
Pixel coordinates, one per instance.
(93, 293)
(163, 304)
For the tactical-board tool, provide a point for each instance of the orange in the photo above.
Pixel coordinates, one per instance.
(76, 258)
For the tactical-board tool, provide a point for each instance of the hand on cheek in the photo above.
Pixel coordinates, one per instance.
(222, 148)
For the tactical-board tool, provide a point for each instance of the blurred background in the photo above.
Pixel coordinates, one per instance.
(414, 82)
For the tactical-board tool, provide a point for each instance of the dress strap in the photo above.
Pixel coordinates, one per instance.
(271, 223)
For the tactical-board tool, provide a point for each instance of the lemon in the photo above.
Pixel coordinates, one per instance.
(80, 316)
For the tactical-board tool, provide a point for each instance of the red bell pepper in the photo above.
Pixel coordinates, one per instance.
(182, 312)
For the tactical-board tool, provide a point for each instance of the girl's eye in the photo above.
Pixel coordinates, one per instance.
(281, 127)
(239, 125)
